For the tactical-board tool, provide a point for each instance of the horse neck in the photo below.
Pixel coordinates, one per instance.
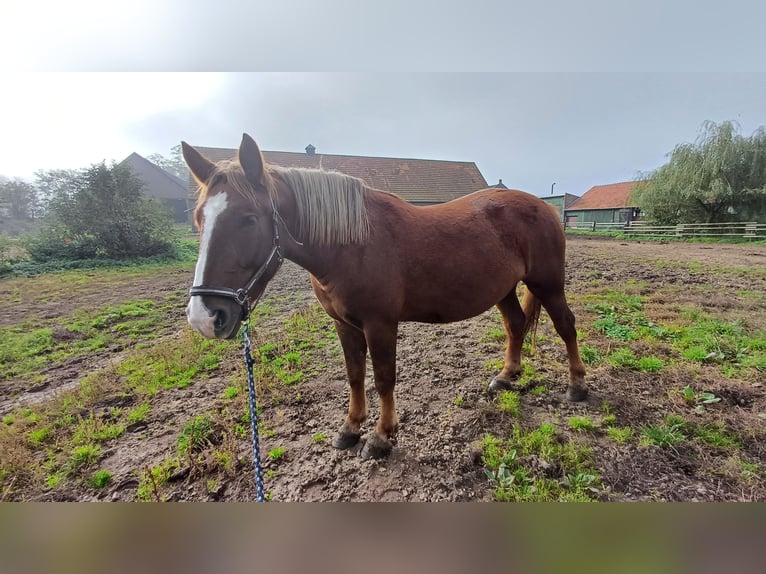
(315, 259)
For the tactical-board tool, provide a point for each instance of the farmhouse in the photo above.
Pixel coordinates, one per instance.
(170, 190)
(419, 181)
(603, 204)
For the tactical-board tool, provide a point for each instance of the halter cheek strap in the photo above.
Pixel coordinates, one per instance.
(242, 296)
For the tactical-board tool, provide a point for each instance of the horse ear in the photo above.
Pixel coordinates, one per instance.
(251, 160)
(199, 166)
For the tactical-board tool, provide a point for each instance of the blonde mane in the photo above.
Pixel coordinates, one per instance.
(331, 209)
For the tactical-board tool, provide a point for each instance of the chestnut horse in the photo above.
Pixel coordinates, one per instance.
(375, 260)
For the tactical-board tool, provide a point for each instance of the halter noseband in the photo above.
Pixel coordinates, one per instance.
(242, 296)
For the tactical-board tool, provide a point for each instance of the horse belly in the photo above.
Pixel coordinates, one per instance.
(454, 304)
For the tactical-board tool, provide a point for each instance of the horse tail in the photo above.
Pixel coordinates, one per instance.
(531, 307)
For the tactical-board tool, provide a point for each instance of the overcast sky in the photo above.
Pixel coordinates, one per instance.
(639, 79)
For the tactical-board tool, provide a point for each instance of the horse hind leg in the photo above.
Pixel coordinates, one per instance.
(564, 322)
(517, 321)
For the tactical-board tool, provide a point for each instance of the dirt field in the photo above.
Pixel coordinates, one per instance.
(674, 337)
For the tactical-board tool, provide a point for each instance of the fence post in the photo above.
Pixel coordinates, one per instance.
(593, 226)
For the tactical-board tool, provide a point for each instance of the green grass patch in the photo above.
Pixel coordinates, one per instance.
(619, 435)
(153, 479)
(582, 424)
(509, 402)
(83, 456)
(276, 454)
(493, 335)
(100, 479)
(589, 355)
(172, 363)
(649, 364)
(622, 318)
(23, 351)
(94, 429)
(707, 339)
(514, 480)
(529, 376)
(493, 365)
(318, 438)
(666, 434)
(624, 357)
(195, 435)
(137, 414)
(715, 435)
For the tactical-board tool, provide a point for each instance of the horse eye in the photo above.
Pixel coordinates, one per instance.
(249, 220)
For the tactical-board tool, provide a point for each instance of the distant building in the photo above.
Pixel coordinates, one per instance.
(418, 181)
(561, 202)
(603, 204)
(170, 190)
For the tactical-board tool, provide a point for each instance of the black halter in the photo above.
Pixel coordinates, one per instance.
(242, 296)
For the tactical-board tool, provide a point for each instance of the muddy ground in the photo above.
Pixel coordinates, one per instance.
(444, 408)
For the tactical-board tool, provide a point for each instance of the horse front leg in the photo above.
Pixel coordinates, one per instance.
(381, 339)
(355, 352)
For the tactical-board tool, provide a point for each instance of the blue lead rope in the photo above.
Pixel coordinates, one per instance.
(253, 417)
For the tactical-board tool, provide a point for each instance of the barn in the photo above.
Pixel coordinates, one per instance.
(561, 202)
(170, 190)
(603, 204)
(418, 181)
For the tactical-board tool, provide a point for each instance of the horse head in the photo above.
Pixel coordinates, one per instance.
(239, 238)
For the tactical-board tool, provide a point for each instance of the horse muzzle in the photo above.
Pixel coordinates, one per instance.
(214, 317)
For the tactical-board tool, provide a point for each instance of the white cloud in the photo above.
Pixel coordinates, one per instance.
(72, 120)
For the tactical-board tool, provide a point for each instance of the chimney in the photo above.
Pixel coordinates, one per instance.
(310, 149)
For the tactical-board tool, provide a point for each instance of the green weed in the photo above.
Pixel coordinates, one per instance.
(582, 424)
(100, 478)
(153, 478)
(493, 335)
(40, 435)
(728, 344)
(94, 429)
(276, 454)
(589, 355)
(715, 435)
(619, 434)
(510, 402)
(667, 434)
(513, 480)
(195, 435)
(137, 414)
(83, 456)
(699, 399)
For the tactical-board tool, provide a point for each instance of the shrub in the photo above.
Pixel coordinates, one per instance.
(101, 212)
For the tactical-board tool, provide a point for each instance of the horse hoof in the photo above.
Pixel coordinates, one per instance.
(497, 385)
(576, 394)
(345, 440)
(376, 447)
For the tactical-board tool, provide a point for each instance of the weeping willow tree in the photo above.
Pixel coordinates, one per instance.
(720, 177)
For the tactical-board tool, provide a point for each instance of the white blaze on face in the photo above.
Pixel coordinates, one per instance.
(199, 316)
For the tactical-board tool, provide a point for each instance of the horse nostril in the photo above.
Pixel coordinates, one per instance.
(220, 320)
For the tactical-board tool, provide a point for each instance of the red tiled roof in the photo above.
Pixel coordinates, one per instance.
(414, 180)
(610, 196)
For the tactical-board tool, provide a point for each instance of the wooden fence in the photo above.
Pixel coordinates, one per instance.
(744, 229)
